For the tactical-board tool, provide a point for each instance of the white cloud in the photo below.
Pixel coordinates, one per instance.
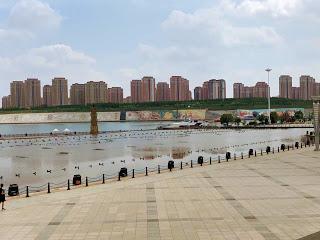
(211, 25)
(33, 15)
(9, 35)
(275, 8)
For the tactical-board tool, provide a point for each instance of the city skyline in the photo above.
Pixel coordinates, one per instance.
(230, 39)
(30, 92)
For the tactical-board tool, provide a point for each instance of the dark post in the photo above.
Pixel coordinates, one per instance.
(261, 152)
(132, 173)
(191, 164)
(273, 150)
(146, 171)
(255, 153)
(68, 184)
(235, 157)
(241, 155)
(159, 169)
(86, 181)
(119, 177)
(288, 148)
(181, 165)
(278, 149)
(301, 145)
(27, 191)
(49, 188)
(210, 161)
(201, 164)
(219, 159)
(103, 179)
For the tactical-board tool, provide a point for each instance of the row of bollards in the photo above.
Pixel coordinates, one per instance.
(124, 172)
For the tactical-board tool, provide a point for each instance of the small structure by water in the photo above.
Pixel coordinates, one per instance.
(94, 122)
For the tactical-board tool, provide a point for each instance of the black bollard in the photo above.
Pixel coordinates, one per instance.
(49, 188)
(255, 153)
(219, 161)
(235, 157)
(288, 148)
(278, 149)
(158, 169)
(301, 145)
(273, 150)
(146, 171)
(103, 179)
(68, 184)
(191, 164)
(241, 155)
(27, 191)
(87, 182)
(132, 173)
(181, 165)
(261, 152)
(210, 161)
(119, 177)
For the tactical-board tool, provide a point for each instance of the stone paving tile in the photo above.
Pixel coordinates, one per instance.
(269, 197)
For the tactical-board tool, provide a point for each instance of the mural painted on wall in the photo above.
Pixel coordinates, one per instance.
(166, 115)
(256, 112)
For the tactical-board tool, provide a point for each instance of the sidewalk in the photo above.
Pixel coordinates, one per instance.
(269, 197)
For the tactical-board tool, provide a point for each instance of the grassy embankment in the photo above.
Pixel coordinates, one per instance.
(227, 104)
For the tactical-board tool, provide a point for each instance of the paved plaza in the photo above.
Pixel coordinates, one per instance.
(267, 197)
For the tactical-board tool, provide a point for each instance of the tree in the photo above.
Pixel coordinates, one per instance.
(237, 120)
(262, 119)
(226, 119)
(298, 115)
(274, 117)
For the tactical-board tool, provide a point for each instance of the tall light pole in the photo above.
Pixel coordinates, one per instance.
(268, 70)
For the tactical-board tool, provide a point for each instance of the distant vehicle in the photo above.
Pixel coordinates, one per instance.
(185, 124)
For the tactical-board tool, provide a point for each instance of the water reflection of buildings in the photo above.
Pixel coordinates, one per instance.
(150, 153)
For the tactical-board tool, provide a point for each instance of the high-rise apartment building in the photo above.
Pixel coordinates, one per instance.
(306, 87)
(217, 89)
(248, 92)
(136, 91)
(179, 89)
(127, 99)
(59, 92)
(162, 92)
(95, 92)
(260, 90)
(238, 90)
(115, 95)
(46, 95)
(285, 86)
(32, 93)
(205, 91)
(6, 102)
(197, 93)
(148, 89)
(77, 94)
(17, 94)
(295, 93)
(316, 91)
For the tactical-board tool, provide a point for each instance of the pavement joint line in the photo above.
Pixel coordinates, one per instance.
(244, 212)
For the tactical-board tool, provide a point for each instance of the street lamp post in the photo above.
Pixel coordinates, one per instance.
(268, 70)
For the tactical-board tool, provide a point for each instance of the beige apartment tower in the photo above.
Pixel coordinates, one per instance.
(77, 94)
(32, 93)
(285, 86)
(136, 91)
(95, 92)
(148, 89)
(59, 92)
(17, 94)
(47, 95)
(306, 87)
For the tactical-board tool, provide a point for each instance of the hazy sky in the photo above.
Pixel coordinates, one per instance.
(120, 40)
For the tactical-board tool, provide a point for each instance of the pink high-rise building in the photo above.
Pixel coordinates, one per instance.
(197, 94)
(205, 91)
(238, 90)
(260, 90)
(115, 95)
(179, 89)
(136, 91)
(47, 95)
(6, 102)
(162, 92)
(32, 93)
(77, 94)
(217, 89)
